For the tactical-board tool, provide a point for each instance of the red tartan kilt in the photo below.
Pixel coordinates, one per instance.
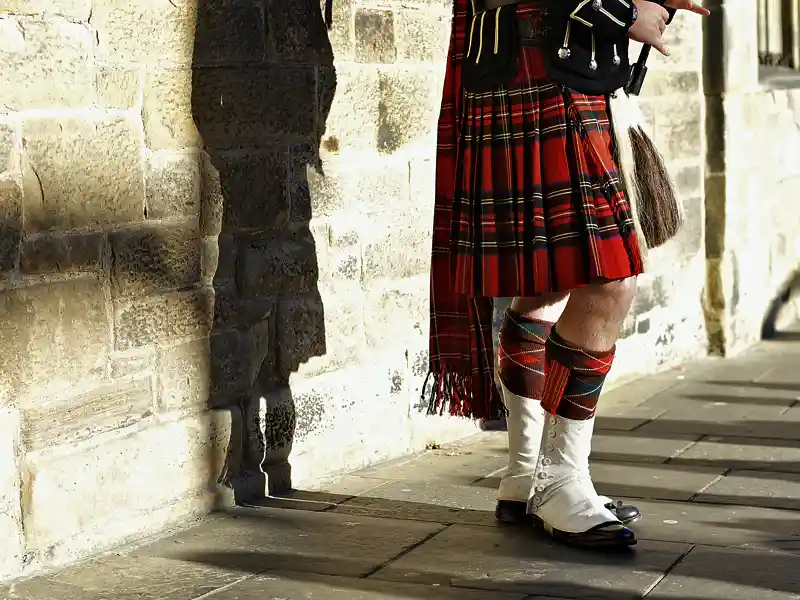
(538, 203)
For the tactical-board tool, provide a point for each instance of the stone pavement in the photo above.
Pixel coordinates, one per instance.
(711, 453)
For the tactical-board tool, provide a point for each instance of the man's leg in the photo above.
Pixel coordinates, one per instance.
(525, 332)
(520, 361)
(579, 355)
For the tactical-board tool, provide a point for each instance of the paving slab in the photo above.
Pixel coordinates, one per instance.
(457, 465)
(635, 446)
(718, 525)
(464, 504)
(627, 419)
(252, 540)
(515, 560)
(124, 578)
(755, 488)
(726, 574)
(655, 482)
(301, 586)
(750, 454)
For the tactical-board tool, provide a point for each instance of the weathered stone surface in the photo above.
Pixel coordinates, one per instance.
(10, 224)
(55, 51)
(374, 35)
(172, 183)
(85, 172)
(298, 33)
(254, 190)
(253, 105)
(294, 540)
(755, 488)
(407, 108)
(746, 454)
(8, 136)
(119, 575)
(283, 264)
(12, 546)
(164, 317)
(384, 306)
(54, 336)
(184, 376)
(712, 524)
(291, 585)
(400, 253)
(300, 331)
(341, 32)
(229, 32)
(634, 447)
(510, 562)
(238, 357)
(145, 31)
(725, 574)
(139, 475)
(168, 110)
(154, 259)
(353, 119)
(212, 201)
(63, 253)
(119, 88)
(77, 10)
(659, 482)
(70, 420)
(679, 130)
(422, 35)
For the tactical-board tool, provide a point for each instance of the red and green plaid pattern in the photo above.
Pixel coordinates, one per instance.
(528, 201)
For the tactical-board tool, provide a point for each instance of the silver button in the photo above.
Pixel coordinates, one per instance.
(550, 448)
(540, 488)
(553, 421)
(551, 433)
(593, 65)
(546, 461)
(537, 501)
(564, 53)
(542, 475)
(597, 4)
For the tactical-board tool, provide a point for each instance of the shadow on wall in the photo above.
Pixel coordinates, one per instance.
(263, 84)
(789, 290)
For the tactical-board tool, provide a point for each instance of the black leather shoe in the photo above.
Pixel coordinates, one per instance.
(511, 511)
(606, 536)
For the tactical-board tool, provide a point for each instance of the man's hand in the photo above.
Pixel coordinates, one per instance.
(649, 27)
(688, 5)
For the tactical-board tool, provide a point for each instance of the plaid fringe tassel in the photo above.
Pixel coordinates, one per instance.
(454, 393)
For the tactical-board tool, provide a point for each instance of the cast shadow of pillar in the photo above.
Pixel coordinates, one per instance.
(262, 86)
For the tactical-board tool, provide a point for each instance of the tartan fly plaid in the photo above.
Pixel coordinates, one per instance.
(528, 201)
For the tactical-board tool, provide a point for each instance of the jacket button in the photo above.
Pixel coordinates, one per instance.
(597, 4)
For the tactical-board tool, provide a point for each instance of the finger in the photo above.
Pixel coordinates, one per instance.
(696, 8)
(661, 47)
(664, 14)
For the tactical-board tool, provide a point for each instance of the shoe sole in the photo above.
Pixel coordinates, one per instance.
(599, 543)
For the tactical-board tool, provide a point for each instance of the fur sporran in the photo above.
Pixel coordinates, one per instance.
(655, 204)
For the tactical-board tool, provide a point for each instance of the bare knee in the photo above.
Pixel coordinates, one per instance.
(547, 307)
(611, 300)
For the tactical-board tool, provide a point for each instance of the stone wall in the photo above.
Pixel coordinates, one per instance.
(214, 251)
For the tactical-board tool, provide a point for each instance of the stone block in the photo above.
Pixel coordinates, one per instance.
(55, 51)
(82, 172)
(8, 144)
(70, 253)
(341, 32)
(184, 376)
(663, 82)
(145, 476)
(408, 108)
(422, 34)
(688, 180)
(12, 546)
(58, 420)
(172, 185)
(283, 264)
(399, 253)
(54, 336)
(374, 36)
(168, 110)
(254, 190)
(10, 224)
(162, 318)
(254, 105)
(297, 32)
(119, 88)
(300, 331)
(154, 259)
(679, 130)
(353, 118)
(147, 32)
(239, 357)
(75, 10)
(229, 32)
(212, 202)
(398, 314)
(137, 362)
(231, 310)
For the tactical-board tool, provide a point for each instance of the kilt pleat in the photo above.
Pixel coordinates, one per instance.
(529, 201)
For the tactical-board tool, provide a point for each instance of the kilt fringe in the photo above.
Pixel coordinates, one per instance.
(455, 393)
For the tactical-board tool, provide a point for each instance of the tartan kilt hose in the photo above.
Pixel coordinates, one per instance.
(529, 200)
